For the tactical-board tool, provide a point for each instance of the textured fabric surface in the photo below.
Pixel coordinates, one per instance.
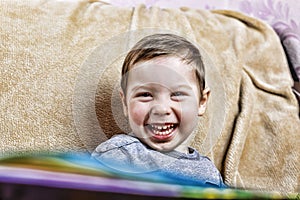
(283, 16)
(46, 47)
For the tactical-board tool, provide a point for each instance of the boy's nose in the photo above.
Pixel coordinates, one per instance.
(161, 109)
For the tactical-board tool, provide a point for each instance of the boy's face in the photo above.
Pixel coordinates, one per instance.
(162, 102)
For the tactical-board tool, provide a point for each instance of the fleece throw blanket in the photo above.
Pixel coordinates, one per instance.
(60, 67)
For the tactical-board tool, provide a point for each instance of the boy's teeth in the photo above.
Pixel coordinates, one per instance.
(162, 129)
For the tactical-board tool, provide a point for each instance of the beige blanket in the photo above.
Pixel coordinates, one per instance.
(60, 64)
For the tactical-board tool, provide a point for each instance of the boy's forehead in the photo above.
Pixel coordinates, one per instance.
(175, 63)
(170, 71)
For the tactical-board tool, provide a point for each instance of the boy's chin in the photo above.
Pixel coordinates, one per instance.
(161, 146)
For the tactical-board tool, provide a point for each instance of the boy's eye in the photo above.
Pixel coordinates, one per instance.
(176, 94)
(144, 94)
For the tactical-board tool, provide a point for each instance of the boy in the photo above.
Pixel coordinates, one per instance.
(163, 93)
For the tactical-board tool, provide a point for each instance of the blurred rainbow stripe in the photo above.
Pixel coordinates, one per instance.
(79, 171)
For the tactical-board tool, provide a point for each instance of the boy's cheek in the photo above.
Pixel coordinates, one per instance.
(189, 107)
(137, 114)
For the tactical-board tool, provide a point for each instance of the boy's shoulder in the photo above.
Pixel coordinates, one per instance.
(117, 141)
(125, 152)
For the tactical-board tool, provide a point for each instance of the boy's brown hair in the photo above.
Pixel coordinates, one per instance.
(156, 45)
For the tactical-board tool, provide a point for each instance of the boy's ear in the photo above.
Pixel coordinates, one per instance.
(123, 99)
(203, 101)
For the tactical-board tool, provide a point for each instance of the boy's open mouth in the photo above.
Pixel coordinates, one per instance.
(162, 131)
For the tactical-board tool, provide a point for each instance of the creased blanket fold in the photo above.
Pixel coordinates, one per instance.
(47, 46)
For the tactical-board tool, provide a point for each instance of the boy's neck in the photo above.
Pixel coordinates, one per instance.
(182, 149)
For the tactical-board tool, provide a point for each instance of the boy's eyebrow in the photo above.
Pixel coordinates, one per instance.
(184, 86)
(174, 88)
(141, 87)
